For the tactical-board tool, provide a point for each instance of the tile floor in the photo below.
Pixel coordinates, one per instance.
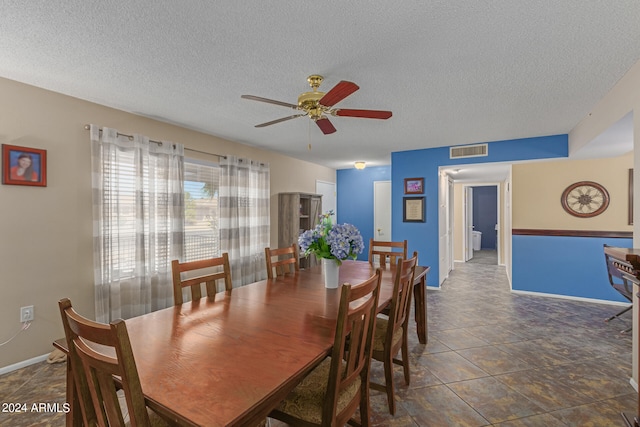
(493, 359)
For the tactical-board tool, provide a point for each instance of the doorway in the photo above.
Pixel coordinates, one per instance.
(482, 224)
(460, 207)
(328, 192)
(382, 210)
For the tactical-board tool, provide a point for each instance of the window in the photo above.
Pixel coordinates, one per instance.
(201, 190)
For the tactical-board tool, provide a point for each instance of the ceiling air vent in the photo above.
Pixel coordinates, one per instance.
(477, 150)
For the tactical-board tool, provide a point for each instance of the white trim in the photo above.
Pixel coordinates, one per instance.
(633, 384)
(591, 300)
(23, 364)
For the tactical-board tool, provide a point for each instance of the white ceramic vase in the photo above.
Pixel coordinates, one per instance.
(331, 272)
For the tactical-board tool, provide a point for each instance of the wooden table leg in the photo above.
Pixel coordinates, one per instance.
(420, 297)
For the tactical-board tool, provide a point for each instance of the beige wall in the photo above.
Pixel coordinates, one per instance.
(46, 233)
(538, 186)
(621, 99)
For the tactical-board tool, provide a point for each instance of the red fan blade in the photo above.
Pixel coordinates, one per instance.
(338, 93)
(269, 101)
(284, 119)
(325, 126)
(365, 114)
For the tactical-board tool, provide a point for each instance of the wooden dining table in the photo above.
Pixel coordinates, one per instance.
(229, 359)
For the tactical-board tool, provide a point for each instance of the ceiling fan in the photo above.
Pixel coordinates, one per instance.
(317, 105)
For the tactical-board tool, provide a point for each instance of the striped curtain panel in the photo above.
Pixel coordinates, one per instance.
(138, 222)
(244, 217)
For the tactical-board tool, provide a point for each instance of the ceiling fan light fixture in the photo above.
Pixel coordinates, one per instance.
(360, 165)
(318, 105)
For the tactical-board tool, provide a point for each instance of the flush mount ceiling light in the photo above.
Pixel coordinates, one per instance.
(360, 165)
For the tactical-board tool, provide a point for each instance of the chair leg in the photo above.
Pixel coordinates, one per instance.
(619, 314)
(365, 408)
(405, 360)
(388, 379)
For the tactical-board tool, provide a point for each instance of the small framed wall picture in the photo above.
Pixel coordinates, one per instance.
(413, 185)
(24, 166)
(413, 209)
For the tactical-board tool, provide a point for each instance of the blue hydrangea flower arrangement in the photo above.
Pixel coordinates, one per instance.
(332, 241)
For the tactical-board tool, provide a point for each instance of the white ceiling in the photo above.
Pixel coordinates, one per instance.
(452, 71)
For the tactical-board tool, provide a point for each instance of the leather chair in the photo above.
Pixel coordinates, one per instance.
(199, 272)
(286, 261)
(98, 392)
(386, 251)
(391, 332)
(620, 284)
(332, 392)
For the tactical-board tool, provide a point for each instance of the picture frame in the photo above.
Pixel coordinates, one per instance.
(413, 185)
(413, 209)
(24, 166)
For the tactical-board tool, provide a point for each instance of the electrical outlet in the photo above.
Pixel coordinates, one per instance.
(26, 314)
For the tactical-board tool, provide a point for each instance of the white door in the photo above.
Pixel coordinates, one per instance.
(468, 223)
(450, 209)
(328, 191)
(382, 210)
(444, 228)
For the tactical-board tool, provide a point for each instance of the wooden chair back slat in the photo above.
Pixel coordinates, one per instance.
(386, 251)
(196, 280)
(287, 261)
(397, 322)
(100, 353)
(352, 346)
(401, 299)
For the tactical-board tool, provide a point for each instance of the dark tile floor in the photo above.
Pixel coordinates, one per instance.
(493, 359)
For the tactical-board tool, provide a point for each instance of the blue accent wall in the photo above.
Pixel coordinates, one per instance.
(572, 266)
(485, 214)
(355, 199)
(423, 237)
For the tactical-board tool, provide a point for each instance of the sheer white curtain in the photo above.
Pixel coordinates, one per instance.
(138, 222)
(244, 217)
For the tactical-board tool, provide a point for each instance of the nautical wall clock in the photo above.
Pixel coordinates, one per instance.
(585, 199)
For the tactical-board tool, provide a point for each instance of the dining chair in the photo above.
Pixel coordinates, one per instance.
(286, 261)
(100, 353)
(390, 336)
(197, 273)
(384, 251)
(332, 392)
(620, 284)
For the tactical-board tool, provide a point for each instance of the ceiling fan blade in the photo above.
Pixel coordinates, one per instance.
(269, 101)
(338, 93)
(325, 125)
(284, 119)
(365, 114)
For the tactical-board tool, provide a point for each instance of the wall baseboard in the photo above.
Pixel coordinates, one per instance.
(581, 299)
(23, 364)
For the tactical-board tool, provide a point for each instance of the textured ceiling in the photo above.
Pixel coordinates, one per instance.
(452, 71)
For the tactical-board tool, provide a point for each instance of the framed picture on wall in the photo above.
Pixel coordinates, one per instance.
(413, 209)
(24, 166)
(413, 185)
